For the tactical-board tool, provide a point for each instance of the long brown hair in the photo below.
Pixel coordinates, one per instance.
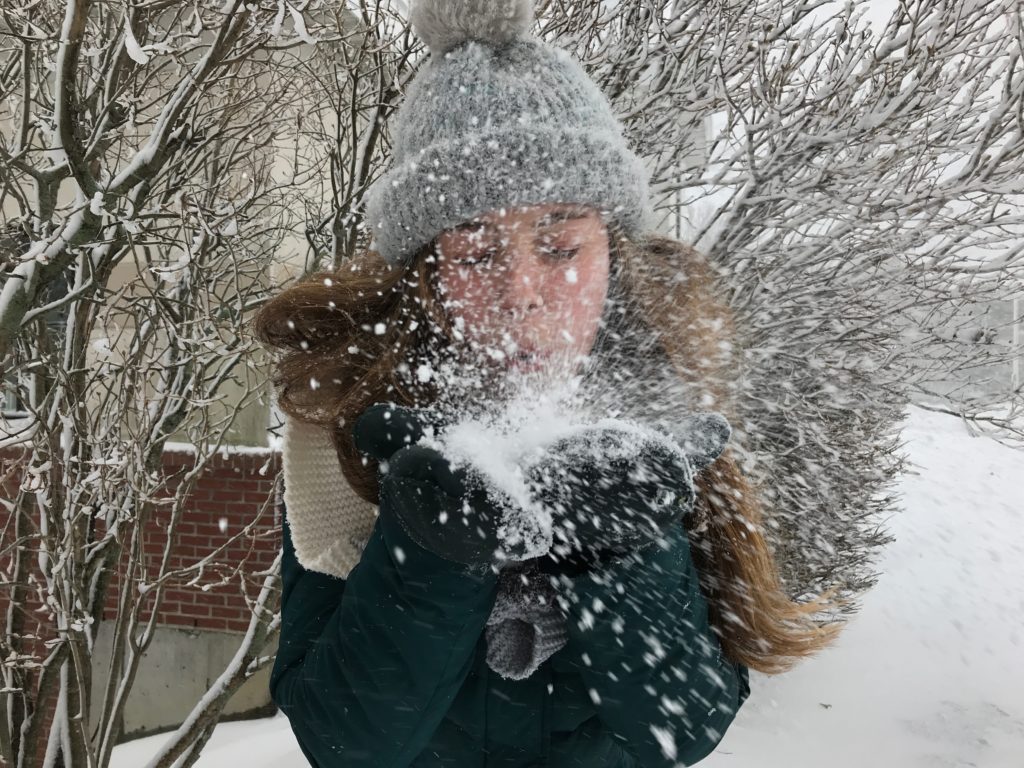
(350, 338)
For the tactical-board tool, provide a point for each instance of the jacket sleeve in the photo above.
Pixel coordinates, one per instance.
(368, 666)
(645, 650)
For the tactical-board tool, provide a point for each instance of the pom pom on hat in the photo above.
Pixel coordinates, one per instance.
(444, 24)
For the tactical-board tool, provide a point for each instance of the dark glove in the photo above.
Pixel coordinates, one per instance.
(613, 490)
(447, 511)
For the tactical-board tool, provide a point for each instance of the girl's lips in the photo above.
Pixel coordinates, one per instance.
(526, 360)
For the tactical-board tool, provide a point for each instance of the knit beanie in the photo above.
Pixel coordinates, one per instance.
(495, 118)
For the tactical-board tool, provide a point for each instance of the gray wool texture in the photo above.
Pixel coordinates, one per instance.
(525, 626)
(498, 118)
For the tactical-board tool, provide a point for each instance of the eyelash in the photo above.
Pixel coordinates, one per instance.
(563, 255)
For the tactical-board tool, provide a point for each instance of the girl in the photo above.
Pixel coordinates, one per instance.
(424, 621)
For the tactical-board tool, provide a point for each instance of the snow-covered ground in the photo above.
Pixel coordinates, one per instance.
(928, 674)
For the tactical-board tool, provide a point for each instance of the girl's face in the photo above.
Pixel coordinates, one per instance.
(526, 286)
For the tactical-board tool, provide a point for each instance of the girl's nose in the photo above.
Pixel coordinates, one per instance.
(524, 282)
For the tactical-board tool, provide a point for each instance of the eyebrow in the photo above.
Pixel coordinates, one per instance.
(565, 214)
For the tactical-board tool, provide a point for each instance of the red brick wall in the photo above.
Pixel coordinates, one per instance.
(230, 495)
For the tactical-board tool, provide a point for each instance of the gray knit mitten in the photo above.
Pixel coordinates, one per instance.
(526, 625)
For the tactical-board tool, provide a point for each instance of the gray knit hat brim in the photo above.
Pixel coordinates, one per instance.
(507, 169)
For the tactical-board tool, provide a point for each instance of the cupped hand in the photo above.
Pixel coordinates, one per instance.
(447, 510)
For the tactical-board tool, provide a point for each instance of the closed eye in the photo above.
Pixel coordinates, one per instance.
(558, 254)
(485, 256)
(561, 254)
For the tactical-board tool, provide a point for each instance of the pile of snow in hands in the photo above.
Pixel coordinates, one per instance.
(503, 444)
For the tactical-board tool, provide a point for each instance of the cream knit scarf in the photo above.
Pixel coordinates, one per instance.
(330, 524)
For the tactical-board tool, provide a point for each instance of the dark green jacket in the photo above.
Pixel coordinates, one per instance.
(387, 667)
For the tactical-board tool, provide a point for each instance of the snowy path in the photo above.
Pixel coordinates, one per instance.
(928, 674)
